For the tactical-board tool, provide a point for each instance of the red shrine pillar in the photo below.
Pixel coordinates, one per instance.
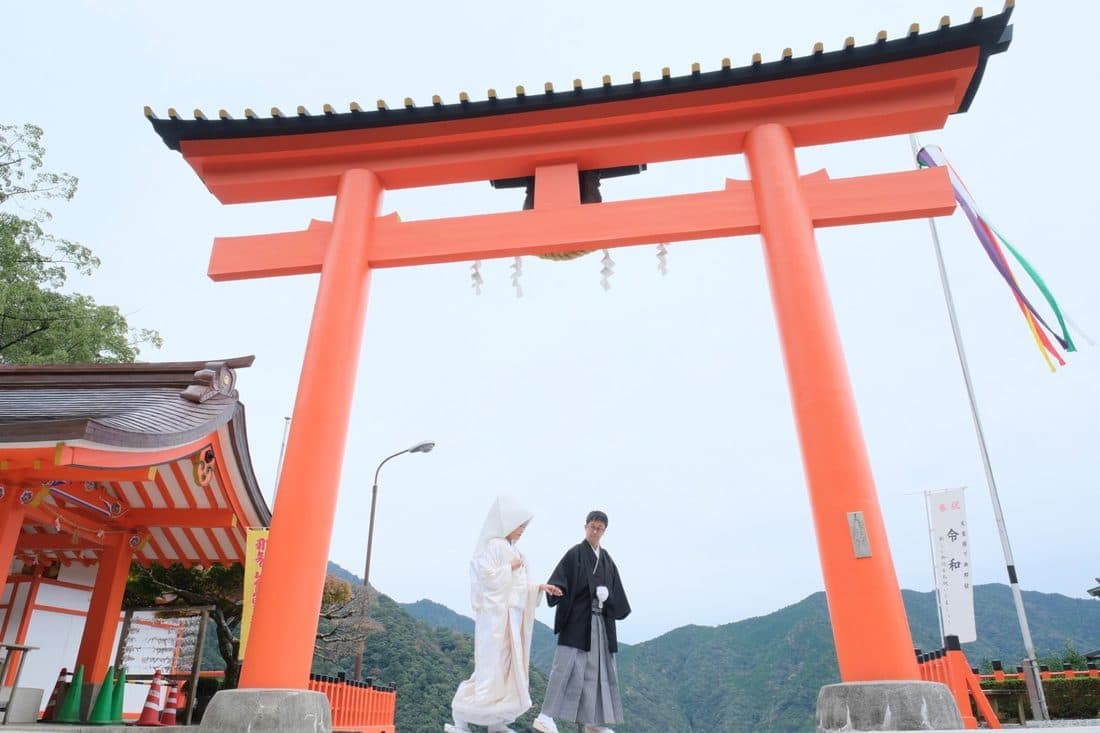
(288, 598)
(104, 609)
(870, 628)
(11, 524)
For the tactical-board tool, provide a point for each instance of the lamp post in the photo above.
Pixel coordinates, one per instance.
(424, 447)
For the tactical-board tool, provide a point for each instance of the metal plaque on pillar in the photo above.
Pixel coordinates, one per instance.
(861, 545)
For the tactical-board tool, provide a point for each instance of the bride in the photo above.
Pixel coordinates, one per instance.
(504, 609)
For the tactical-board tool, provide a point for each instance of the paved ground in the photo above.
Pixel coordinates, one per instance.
(1092, 725)
(1079, 726)
(50, 728)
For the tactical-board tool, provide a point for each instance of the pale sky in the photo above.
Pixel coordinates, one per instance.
(662, 401)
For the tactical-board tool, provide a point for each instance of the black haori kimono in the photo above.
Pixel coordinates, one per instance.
(584, 682)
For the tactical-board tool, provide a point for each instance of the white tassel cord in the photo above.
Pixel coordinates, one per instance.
(662, 258)
(475, 277)
(517, 272)
(607, 270)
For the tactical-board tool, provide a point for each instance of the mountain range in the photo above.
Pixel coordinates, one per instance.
(757, 674)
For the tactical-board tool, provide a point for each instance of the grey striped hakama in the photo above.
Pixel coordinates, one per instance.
(584, 686)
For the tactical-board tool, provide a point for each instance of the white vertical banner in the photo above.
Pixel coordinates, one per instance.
(951, 555)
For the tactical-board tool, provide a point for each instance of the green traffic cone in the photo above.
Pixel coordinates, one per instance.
(120, 691)
(104, 702)
(69, 710)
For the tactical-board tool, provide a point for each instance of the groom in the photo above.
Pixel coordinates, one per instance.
(584, 682)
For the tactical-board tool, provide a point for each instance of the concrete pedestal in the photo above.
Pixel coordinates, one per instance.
(871, 706)
(264, 711)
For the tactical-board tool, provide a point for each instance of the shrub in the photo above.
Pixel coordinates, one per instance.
(1066, 699)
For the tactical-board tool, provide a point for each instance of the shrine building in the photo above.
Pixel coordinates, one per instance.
(102, 465)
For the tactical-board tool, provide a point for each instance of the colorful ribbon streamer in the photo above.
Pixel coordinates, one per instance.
(992, 241)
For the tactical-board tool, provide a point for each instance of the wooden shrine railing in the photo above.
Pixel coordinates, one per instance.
(1067, 672)
(949, 666)
(358, 706)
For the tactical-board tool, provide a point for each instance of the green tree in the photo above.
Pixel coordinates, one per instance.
(343, 624)
(1069, 655)
(39, 321)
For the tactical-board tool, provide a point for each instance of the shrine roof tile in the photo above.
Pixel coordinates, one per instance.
(135, 406)
(990, 35)
(137, 410)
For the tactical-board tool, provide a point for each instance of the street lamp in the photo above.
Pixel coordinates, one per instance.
(423, 447)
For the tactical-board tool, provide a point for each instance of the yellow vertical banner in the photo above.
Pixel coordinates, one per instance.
(253, 566)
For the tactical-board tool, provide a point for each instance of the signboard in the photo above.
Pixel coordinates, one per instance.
(253, 566)
(951, 557)
(167, 641)
(160, 640)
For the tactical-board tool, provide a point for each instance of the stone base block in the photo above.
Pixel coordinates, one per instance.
(870, 706)
(268, 711)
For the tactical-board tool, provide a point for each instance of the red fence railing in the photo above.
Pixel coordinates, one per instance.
(1067, 672)
(357, 705)
(949, 667)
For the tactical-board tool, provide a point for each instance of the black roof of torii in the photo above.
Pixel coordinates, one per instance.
(990, 35)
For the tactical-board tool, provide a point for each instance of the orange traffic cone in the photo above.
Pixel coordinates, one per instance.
(150, 713)
(168, 715)
(52, 704)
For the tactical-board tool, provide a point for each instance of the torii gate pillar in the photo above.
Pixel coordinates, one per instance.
(306, 503)
(881, 688)
(860, 583)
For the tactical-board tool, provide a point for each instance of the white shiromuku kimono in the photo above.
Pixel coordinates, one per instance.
(504, 616)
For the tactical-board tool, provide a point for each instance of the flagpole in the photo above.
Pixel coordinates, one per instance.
(282, 451)
(1035, 690)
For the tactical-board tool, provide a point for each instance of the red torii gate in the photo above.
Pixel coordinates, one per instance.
(764, 110)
